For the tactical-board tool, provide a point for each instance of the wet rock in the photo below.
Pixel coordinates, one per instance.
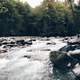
(32, 40)
(51, 43)
(66, 62)
(0, 44)
(77, 77)
(3, 39)
(74, 41)
(61, 60)
(8, 44)
(75, 55)
(66, 39)
(5, 43)
(27, 56)
(12, 42)
(3, 51)
(23, 42)
(20, 42)
(11, 45)
(28, 42)
(70, 48)
(53, 56)
(4, 46)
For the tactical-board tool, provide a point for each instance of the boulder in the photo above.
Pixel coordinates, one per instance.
(28, 42)
(12, 42)
(11, 45)
(5, 43)
(66, 62)
(75, 55)
(70, 48)
(53, 56)
(58, 58)
(23, 42)
(62, 61)
(3, 39)
(20, 42)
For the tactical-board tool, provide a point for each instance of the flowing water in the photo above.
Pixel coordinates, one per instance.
(30, 62)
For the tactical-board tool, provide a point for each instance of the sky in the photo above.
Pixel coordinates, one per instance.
(34, 3)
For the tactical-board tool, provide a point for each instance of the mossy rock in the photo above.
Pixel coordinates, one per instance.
(60, 60)
(54, 55)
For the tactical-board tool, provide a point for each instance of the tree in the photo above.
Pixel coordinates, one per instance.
(12, 17)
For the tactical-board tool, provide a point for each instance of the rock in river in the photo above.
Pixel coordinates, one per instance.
(23, 42)
(60, 60)
(66, 62)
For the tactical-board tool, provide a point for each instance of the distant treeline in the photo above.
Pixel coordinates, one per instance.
(48, 19)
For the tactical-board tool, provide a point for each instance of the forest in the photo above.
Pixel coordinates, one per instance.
(51, 18)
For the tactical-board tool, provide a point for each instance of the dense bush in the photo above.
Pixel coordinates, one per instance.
(48, 19)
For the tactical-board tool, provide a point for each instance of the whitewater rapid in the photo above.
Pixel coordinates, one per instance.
(30, 62)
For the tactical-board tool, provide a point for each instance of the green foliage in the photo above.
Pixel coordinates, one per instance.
(48, 19)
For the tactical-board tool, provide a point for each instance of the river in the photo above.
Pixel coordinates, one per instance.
(29, 62)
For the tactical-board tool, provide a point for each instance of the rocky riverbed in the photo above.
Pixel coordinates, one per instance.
(28, 58)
